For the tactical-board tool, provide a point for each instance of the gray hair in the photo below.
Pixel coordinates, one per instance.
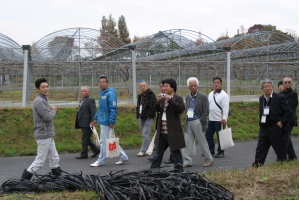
(88, 89)
(265, 81)
(192, 79)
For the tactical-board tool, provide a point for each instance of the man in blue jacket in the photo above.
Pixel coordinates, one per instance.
(106, 117)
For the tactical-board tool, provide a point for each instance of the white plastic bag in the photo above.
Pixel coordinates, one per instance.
(95, 135)
(112, 145)
(225, 138)
(151, 146)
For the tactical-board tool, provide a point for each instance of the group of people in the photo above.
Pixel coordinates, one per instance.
(169, 133)
(277, 117)
(277, 114)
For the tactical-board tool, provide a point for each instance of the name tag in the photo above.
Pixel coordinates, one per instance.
(263, 119)
(141, 108)
(190, 113)
(103, 97)
(266, 110)
(164, 116)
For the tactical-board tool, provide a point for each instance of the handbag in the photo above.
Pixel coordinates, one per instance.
(95, 135)
(225, 138)
(112, 145)
(151, 146)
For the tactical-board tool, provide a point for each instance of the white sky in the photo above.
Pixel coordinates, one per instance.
(25, 21)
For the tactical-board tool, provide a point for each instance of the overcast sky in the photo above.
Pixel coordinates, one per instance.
(27, 21)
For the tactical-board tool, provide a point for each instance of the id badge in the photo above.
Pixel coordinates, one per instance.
(190, 113)
(141, 107)
(263, 119)
(266, 110)
(164, 116)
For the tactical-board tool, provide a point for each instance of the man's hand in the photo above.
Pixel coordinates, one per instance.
(53, 107)
(111, 125)
(223, 121)
(280, 124)
(159, 97)
(93, 123)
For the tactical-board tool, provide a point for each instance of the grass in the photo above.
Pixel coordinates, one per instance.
(276, 181)
(16, 128)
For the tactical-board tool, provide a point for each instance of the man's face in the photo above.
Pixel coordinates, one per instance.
(168, 89)
(267, 88)
(193, 86)
(143, 87)
(162, 88)
(281, 87)
(103, 83)
(287, 83)
(43, 89)
(84, 92)
(217, 85)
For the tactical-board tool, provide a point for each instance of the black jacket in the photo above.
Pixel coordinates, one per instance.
(148, 105)
(291, 97)
(279, 110)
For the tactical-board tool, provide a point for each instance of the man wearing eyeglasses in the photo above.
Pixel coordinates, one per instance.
(274, 114)
(291, 97)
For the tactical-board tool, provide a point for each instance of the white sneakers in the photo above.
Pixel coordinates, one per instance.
(120, 162)
(96, 164)
(141, 154)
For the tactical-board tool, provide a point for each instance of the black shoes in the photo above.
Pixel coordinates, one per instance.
(81, 157)
(95, 155)
(219, 155)
(169, 161)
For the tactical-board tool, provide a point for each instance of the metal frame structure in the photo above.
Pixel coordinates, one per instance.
(74, 57)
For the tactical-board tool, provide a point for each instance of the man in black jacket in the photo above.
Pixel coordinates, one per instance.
(291, 97)
(145, 112)
(85, 116)
(274, 114)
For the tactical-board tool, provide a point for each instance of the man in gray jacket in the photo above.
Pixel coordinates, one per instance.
(195, 124)
(43, 115)
(84, 118)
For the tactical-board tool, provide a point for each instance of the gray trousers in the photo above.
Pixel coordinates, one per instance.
(46, 148)
(193, 129)
(146, 129)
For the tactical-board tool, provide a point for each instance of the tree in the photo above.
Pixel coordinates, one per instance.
(111, 26)
(255, 28)
(123, 30)
(137, 38)
(199, 40)
(108, 29)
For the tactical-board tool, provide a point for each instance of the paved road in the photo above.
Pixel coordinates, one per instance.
(240, 156)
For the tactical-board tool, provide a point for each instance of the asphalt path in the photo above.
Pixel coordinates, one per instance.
(241, 156)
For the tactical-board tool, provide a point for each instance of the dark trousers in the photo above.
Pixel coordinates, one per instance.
(163, 144)
(86, 141)
(269, 135)
(212, 127)
(155, 151)
(288, 145)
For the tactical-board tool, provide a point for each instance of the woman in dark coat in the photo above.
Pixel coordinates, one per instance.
(169, 129)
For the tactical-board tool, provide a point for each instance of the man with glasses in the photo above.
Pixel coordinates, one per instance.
(291, 97)
(274, 115)
(218, 113)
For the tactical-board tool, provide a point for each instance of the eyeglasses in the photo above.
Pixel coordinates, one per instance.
(287, 82)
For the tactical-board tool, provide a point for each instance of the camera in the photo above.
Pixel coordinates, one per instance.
(163, 95)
